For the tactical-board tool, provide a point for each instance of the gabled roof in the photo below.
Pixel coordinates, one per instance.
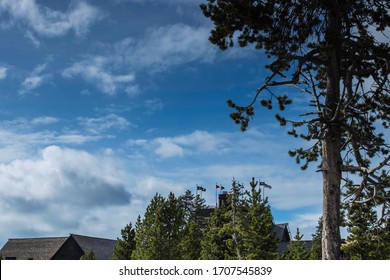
(33, 248)
(103, 248)
(282, 232)
(47, 248)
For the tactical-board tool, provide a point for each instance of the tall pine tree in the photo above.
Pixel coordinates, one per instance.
(217, 235)
(297, 249)
(316, 248)
(126, 245)
(159, 234)
(328, 50)
(258, 239)
(364, 241)
(190, 244)
(241, 228)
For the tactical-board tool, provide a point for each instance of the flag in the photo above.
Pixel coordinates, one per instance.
(200, 188)
(222, 188)
(217, 187)
(265, 185)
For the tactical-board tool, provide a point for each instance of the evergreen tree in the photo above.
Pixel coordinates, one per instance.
(148, 233)
(173, 224)
(126, 245)
(364, 240)
(385, 240)
(214, 244)
(158, 235)
(328, 50)
(297, 249)
(367, 224)
(89, 255)
(241, 228)
(258, 239)
(187, 203)
(316, 249)
(190, 243)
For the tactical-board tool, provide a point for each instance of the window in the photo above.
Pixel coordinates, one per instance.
(10, 258)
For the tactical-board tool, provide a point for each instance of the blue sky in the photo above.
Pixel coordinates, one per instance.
(105, 103)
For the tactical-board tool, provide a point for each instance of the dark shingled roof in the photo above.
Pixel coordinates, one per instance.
(282, 232)
(47, 248)
(33, 248)
(102, 248)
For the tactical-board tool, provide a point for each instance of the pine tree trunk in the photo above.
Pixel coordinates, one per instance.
(331, 144)
(331, 197)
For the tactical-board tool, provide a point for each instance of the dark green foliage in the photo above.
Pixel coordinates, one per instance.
(194, 225)
(190, 243)
(368, 235)
(126, 245)
(297, 249)
(385, 240)
(316, 247)
(241, 228)
(217, 236)
(258, 239)
(89, 255)
(170, 228)
(159, 233)
(363, 241)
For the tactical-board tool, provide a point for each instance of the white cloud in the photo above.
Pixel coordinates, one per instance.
(61, 189)
(58, 171)
(96, 70)
(47, 22)
(3, 72)
(211, 143)
(44, 120)
(35, 79)
(203, 141)
(154, 105)
(306, 223)
(98, 125)
(88, 189)
(167, 46)
(167, 148)
(132, 90)
(159, 49)
(20, 138)
(34, 40)
(198, 142)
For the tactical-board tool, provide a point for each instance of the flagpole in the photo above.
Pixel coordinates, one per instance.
(216, 196)
(262, 183)
(264, 186)
(263, 194)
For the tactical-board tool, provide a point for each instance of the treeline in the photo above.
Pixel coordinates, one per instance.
(184, 228)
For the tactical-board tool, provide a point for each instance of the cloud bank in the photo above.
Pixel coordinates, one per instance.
(47, 22)
(117, 66)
